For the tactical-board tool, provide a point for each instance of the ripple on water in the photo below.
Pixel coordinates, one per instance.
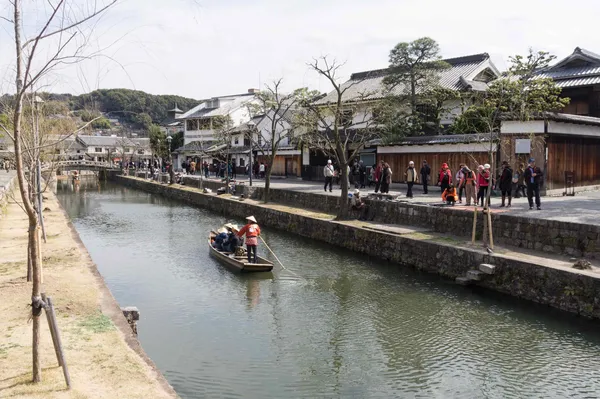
(333, 325)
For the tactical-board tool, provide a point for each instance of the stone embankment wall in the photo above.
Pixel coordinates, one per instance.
(556, 237)
(574, 291)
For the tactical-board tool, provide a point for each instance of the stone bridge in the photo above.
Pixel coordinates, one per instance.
(80, 165)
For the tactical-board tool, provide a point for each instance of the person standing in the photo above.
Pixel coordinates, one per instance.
(206, 169)
(445, 177)
(328, 172)
(362, 174)
(459, 179)
(483, 182)
(505, 183)
(468, 183)
(533, 177)
(252, 231)
(378, 174)
(425, 172)
(261, 170)
(410, 178)
(192, 167)
(386, 178)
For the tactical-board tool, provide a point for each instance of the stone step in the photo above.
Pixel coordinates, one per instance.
(487, 268)
(475, 275)
(463, 280)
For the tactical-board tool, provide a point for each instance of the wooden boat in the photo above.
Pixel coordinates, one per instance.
(239, 263)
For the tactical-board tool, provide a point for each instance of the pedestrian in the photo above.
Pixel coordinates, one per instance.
(425, 172)
(255, 169)
(483, 182)
(233, 170)
(468, 183)
(6, 165)
(378, 174)
(328, 172)
(458, 179)
(205, 167)
(192, 167)
(386, 178)
(505, 183)
(410, 178)
(252, 231)
(520, 180)
(354, 175)
(362, 174)
(533, 178)
(261, 170)
(445, 177)
(372, 175)
(449, 195)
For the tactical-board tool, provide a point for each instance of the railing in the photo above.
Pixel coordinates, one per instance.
(79, 163)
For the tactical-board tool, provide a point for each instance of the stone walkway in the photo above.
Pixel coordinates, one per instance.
(582, 208)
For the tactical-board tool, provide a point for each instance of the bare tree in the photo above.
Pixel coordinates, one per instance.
(63, 36)
(339, 126)
(278, 124)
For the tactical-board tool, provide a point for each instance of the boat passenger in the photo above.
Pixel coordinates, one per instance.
(252, 231)
(233, 241)
(220, 238)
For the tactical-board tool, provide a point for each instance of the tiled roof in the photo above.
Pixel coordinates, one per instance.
(369, 85)
(569, 118)
(441, 139)
(195, 146)
(228, 104)
(567, 75)
(106, 141)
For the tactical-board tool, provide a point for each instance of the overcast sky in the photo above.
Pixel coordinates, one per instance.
(204, 48)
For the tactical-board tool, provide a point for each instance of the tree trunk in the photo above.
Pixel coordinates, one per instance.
(33, 243)
(268, 182)
(343, 211)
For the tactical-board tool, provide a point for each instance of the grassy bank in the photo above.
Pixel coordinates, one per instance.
(104, 358)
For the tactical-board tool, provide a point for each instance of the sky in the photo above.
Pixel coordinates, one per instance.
(206, 48)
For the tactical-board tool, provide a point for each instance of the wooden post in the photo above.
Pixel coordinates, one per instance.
(474, 225)
(51, 327)
(58, 343)
(489, 216)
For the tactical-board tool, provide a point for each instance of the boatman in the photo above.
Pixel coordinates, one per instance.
(252, 232)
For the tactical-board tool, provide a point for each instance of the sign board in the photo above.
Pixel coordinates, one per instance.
(522, 146)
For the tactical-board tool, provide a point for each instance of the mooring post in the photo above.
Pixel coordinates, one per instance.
(132, 314)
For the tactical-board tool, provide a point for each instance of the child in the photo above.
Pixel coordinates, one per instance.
(449, 196)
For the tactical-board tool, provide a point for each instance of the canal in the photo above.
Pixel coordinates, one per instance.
(336, 325)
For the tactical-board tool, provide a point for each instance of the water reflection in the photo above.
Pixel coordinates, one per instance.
(335, 325)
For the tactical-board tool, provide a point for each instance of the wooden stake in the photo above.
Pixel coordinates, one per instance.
(51, 327)
(489, 216)
(474, 225)
(58, 343)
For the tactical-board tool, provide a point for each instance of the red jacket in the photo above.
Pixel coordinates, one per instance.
(445, 172)
(378, 171)
(251, 230)
(483, 179)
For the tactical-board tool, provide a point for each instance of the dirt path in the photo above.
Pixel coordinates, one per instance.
(104, 359)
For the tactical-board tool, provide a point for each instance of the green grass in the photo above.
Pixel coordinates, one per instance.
(97, 323)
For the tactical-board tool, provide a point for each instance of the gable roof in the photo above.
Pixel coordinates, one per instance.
(368, 85)
(227, 104)
(105, 141)
(581, 68)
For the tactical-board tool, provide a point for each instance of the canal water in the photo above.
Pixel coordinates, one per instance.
(337, 325)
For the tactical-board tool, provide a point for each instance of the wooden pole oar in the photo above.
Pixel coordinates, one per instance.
(273, 253)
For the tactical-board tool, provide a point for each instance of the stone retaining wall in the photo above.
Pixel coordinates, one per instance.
(570, 290)
(564, 238)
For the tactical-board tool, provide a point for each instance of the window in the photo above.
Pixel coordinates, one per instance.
(204, 124)
(242, 162)
(346, 117)
(236, 140)
(98, 149)
(192, 124)
(259, 140)
(125, 149)
(140, 152)
(78, 151)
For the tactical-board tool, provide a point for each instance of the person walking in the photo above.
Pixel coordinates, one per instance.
(459, 179)
(192, 167)
(386, 178)
(378, 174)
(445, 177)
(205, 169)
(252, 231)
(505, 183)
(483, 182)
(410, 178)
(468, 183)
(425, 172)
(328, 172)
(261, 170)
(533, 178)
